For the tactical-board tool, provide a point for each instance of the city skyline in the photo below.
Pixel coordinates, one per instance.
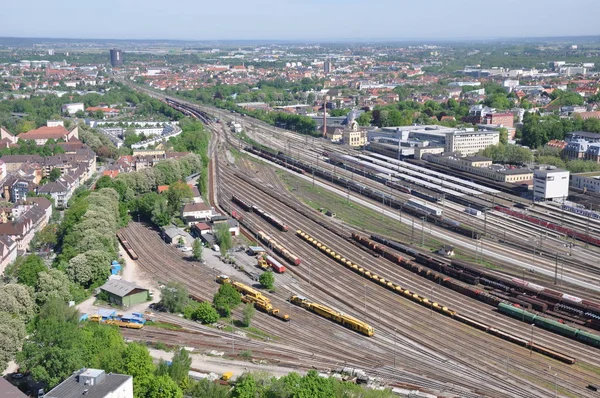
(333, 20)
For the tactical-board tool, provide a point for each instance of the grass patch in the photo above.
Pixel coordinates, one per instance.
(162, 325)
(543, 383)
(589, 367)
(349, 212)
(250, 331)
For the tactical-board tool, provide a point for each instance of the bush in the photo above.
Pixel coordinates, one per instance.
(226, 299)
(248, 314)
(205, 313)
(267, 280)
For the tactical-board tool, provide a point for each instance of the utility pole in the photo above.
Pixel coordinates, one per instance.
(395, 330)
(531, 342)
(232, 338)
(431, 300)
(422, 231)
(484, 222)
(412, 236)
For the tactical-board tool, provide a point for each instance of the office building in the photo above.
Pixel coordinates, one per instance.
(327, 66)
(470, 142)
(116, 58)
(587, 182)
(550, 184)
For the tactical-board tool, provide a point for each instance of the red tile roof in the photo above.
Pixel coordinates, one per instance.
(45, 133)
(111, 173)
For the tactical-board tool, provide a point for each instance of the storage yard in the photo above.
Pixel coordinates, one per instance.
(451, 327)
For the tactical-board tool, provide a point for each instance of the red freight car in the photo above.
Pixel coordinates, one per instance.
(276, 265)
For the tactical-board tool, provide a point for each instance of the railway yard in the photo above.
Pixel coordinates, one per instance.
(403, 314)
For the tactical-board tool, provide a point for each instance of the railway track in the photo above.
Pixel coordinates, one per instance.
(282, 215)
(464, 368)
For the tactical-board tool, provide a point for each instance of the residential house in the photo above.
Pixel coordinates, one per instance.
(61, 190)
(8, 252)
(193, 213)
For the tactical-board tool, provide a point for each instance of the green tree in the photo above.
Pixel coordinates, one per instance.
(245, 387)
(137, 362)
(364, 119)
(17, 300)
(180, 366)
(312, 385)
(267, 279)
(248, 314)
(54, 174)
(52, 284)
(12, 334)
(53, 351)
(205, 313)
(104, 346)
(89, 268)
(226, 299)
(197, 250)
(174, 297)
(162, 387)
(27, 273)
(207, 389)
(503, 135)
(46, 238)
(177, 193)
(223, 237)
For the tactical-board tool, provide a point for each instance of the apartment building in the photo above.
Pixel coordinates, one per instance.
(470, 142)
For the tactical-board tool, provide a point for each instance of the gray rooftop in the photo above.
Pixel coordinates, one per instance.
(99, 384)
(7, 390)
(120, 288)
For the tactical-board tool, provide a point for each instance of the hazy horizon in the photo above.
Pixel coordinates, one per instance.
(310, 20)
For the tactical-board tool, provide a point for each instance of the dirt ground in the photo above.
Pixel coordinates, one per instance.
(131, 273)
(207, 364)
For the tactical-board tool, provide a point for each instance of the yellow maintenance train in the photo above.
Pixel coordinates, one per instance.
(326, 312)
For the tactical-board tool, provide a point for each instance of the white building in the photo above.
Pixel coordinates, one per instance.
(550, 184)
(71, 109)
(94, 383)
(470, 142)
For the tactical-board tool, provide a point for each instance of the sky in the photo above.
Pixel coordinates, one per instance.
(305, 20)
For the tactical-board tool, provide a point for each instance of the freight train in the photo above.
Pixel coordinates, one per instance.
(271, 219)
(273, 158)
(242, 203)
(528, 294)
(550, 225)
(338, 317)
(549, 324)
(278, 248)
(434, 306)
(127, 246)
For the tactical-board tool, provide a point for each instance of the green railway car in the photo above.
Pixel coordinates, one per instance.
(556, 327)
(515, 312)
(589, 338)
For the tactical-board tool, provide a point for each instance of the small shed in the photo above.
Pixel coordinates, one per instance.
(254, 250)
(123, 293)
